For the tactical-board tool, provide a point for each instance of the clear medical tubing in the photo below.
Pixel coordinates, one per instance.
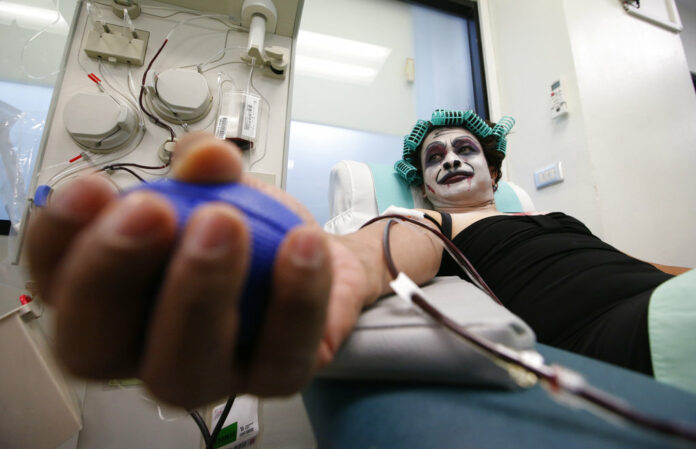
(568, 387)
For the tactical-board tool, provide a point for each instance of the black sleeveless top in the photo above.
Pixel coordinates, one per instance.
(577, 292)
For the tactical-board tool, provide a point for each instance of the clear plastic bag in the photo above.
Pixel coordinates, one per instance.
(20, 136)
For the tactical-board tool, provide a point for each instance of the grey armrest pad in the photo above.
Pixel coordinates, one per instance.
(394, 341)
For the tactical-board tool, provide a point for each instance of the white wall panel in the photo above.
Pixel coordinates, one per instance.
(533, 49)
(628, 144)
(640, 111)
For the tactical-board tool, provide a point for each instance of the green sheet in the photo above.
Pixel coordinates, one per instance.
(672, 330)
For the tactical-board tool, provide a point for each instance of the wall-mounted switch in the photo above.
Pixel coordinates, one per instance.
(410, 70)
(559, 106)
(544, 177)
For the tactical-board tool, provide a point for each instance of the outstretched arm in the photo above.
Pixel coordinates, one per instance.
(361, 275)
(135, 299)
(669, 269)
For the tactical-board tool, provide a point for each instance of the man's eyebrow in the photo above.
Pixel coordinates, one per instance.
(431, 144)
(466, 139)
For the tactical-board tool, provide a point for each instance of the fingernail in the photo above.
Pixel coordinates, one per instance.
(134, 217)
(307, 251)
(212, 229)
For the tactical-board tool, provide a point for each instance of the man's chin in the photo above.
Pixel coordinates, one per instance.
(459, 198)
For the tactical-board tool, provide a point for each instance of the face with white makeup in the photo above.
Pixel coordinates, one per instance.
(456, 173)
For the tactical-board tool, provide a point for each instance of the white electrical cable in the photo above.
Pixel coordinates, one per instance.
(94, 16)
(222, 64)
(32, 39)
(98, 161)
(216, 108)
(268, 124)
(160, 414)
(224, 46)
(251, 74)
(133, 104)
(165, 8)
(217, 56)
(218, 17)
(132, 87)
(79, 61)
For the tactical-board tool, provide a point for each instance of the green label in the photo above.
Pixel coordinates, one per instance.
(226, 436)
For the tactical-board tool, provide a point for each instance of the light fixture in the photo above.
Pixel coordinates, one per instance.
(32, 17)
(338, 59)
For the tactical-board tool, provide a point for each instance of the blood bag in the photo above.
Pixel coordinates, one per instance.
(238, 119)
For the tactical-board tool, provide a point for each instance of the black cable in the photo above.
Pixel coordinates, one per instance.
(116, 167)
(200, 422)
(549, 374)
(387, 250)
(154, 118)
(226, 411)
(144, 167)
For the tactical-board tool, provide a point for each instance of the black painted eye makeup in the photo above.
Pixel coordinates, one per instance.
(465, 144)
(435, 152)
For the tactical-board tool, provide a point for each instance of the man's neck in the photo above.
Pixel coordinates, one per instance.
(486, 206)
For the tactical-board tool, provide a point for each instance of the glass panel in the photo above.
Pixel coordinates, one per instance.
(443, 64)
(350, 65)
(34, 33)
(352, 98)
(24, 108)
(317, 148)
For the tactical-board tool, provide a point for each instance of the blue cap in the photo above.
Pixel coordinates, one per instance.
(41, 195)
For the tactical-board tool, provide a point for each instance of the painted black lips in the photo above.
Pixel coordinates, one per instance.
(458, 173)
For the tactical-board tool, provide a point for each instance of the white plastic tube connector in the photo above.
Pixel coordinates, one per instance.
(260, 16)
(257, 34)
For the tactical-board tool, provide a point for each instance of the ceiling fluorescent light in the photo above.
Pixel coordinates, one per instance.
(338, 59)
(336, 48)
(333, 70)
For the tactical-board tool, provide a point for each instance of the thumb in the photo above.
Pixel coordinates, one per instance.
(200, 157)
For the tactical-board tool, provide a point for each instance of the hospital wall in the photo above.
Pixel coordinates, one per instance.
(628, 144)
(687, 11)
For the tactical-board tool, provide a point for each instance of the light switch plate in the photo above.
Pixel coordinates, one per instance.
(544, 177)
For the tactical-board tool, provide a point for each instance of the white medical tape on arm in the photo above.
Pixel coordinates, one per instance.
(396, 210)
(404, 287)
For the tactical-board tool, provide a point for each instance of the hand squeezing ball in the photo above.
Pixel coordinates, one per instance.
(268, 222)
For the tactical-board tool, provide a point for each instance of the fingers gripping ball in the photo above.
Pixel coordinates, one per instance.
(268, 222)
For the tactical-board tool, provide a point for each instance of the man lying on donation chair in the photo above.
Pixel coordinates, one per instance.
(135, 298)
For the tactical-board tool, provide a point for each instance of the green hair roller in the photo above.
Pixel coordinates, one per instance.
(448, 118)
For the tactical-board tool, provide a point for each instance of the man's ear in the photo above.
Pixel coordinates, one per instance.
(422, 190)
(494, 173)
